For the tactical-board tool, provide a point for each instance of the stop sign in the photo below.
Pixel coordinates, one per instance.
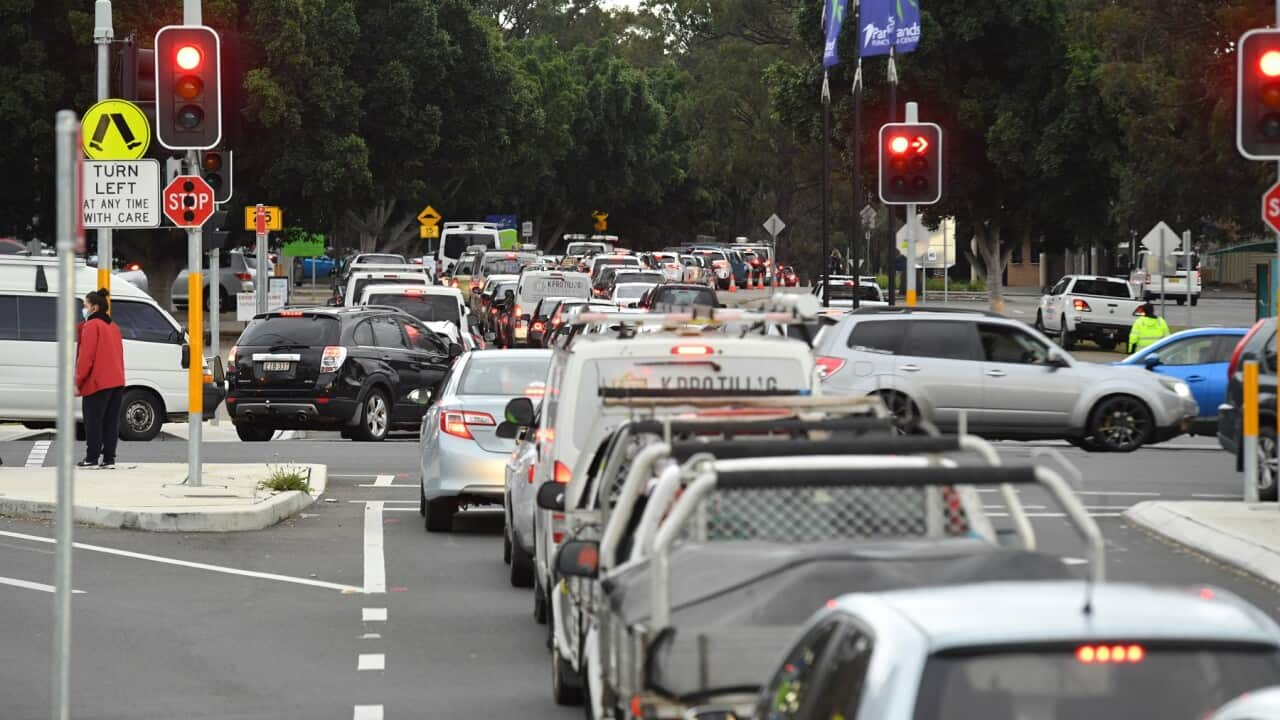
(1271, 207)
(188, 201)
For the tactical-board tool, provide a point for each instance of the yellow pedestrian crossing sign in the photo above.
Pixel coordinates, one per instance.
(115, 130)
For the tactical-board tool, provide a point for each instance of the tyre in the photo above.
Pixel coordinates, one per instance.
(253, 433)
(539, 602)
(563, 688)
(1120, 423)
(422, 500)
(1039, 324)
(1195, 300)
(1065, 339)
(141, 415)
(1181, 300)
(1086, 443)
(1267, 465)
(375, 417)
(439, 514)
(521, 568)
(906, 415)
(1107, 344)
(506, 546)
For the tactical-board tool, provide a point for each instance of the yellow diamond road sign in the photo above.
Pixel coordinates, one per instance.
(429, 216)
(115, 130)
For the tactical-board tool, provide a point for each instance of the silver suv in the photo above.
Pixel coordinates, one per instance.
(1005, 379)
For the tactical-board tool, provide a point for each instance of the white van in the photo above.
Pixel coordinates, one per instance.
(370, 276)
(537, 285)
(155, 347)
(701, 364)
(458, 236)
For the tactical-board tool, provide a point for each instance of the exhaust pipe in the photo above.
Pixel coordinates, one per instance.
(302, 417)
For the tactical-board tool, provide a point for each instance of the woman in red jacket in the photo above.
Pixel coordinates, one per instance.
(100, 380)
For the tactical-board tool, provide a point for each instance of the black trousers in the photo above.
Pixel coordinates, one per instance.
(102, 424)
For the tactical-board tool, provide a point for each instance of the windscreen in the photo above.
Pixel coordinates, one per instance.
(456, 242)
(631, 292)
(505, 264)
(427, 308)
(304, 331)
(1086, 681)
(502, 376)
(847, 292)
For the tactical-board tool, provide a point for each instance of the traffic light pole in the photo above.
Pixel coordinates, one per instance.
(826, 192)
(890, 231)
(855, 208)
(215, 300)
(103, 34)
(913, 115)
(195, 332)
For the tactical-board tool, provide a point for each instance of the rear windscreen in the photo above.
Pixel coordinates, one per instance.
(1101, 288)
(502, 376)
(684, 297)
(631, 291)
(456, 242)
(357, 290)
(1086, 681)
(622, 276)
(427, 308)
(306, 331)
(847, 292)
(381, 260)
(504, 265)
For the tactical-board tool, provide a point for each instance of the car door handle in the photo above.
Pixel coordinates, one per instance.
(909, 368)
(995, 373)
(1195, 378)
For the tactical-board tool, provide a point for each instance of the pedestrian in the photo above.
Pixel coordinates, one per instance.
(835, 262)
(99, 380)
(1147, 329)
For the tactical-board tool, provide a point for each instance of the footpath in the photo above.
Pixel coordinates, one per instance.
(1243, 535)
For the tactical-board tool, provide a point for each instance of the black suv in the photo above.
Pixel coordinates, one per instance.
(363, 371)
(1258, 346)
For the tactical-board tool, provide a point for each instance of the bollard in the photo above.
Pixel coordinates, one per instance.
(1249, 431)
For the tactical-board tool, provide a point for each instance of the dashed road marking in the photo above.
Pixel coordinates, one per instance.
(373, 614)
(28, 585)
(367, 712)
(39, 449)
(371, 636)
(371, 661)
(375, 565)
(383, 480)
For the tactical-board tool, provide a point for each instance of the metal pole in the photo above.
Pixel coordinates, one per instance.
(103, 34)
(889, 230)
(913, 115)
(1164, 270)
(67, 149)
(855, 208)
(261, 280)
(946, 269)
(826, 192)
(1249, 431)
(195, 339)
(191, 12)
(1186, 259)
(215, 308)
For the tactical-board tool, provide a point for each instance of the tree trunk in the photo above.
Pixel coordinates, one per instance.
(993, 261)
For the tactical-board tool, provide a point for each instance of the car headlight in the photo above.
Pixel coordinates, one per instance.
(1177, 386)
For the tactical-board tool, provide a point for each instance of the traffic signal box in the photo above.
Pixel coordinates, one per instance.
(910, 163)
(188, 87)
(1258, 95)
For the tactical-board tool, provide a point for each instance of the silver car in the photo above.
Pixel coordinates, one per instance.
(518, 505)
(999, 377)
(236, 271)
(462, 459)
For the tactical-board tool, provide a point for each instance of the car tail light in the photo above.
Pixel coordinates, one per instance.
(530, 474)
(539, 326)
(332, 358)
(231, 355)
(133, 266)
(244, 276)
(545, 435)
(1110, 654)
(689, 350)
(1081, 306)
(459, 422)
(828, 366)
(519, 310)
(290, 313)
(1234, 365)
(413, 292)
(562, 473)
(1139, 312)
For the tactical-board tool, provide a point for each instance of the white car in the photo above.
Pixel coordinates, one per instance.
(518, 509)
(1089, 307)
(627, 295)
(370, 276)
(439, 308)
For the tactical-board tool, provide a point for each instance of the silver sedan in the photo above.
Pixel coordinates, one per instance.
(462, 459)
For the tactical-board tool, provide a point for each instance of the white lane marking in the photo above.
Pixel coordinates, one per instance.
(401, 509)
(373, 614)
(371, 636)
(26, 584)
(371, 661)
(375, 564)
(188, 563)
(1058, 515)
(1074, 561)
(1211, 496)
(367, 712)
(383, 480)
(389, 485)
(39, 449)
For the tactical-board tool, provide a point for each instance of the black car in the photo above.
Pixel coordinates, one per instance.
(363, 371)
(1258, 346)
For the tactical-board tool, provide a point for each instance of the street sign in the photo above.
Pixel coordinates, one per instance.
(247, 304)
(188, 201)
(868, 216)
(602, 220)
(429, 216)
(428, 232)
(1271, 207)
(774, 225)
(526, 228)
(115, 130)
(1162, 236)
(275, 218)
(121, 194)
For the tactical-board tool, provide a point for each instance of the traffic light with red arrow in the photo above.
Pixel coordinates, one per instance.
(910, 163)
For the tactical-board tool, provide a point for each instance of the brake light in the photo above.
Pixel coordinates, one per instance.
(459, 422)
(530, 474)
(244, 276)
(332, 358)
(687, 350)
(415, 292)
(539, 326)
(519, 310)
(828, 366)
(290, 313)
(133, 266)
(1081, 306)
(231, 355)
(562, 473)
(1110, 654)
(545, 435)
(1234, 365)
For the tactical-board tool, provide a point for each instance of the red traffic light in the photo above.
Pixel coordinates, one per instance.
(1269, 63)
(188, 57)
(899, 144)
(910, 163)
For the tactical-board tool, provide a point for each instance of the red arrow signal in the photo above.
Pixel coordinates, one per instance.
(920, 145)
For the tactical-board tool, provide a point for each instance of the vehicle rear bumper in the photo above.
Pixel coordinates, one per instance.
(292, 413)
(1097, 329)
(468, 473)
(213, 397)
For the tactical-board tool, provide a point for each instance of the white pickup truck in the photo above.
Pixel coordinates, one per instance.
(1089, 307)
(1148, 271)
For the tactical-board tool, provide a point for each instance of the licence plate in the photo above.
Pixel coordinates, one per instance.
(277, 366)
(521, 332)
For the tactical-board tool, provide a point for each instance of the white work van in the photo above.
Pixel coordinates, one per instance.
(1179, 271)
(537, 285)
(155, 350)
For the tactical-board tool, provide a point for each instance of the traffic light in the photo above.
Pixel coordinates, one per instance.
(1258, 95)
(188, 87)
(216, 167)
(137, 73)
(910, 163)
(215, 232)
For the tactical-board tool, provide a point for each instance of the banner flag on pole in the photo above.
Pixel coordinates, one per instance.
(832, 20)
(888, 24)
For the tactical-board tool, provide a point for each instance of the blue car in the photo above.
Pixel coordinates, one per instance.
(1199, 357)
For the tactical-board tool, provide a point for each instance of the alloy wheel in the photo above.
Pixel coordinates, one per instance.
(376, 415)
(1124, 425)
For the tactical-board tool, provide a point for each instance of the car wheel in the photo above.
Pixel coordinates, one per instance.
(506, 546)
(539, 602)
(1267, 486)
(375, 417)
(1195, 300)
(422, 499)
(141, 415)
(562, 691)
(1181, 300)
(253, 433)
(1064, 337)
(1086, 443)
(439, 514)
(1121, 423)
(1039, 323)
(906, 415)
(1107, 344)
(522, 569)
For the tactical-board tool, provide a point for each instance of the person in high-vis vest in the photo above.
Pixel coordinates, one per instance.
(1147, 329)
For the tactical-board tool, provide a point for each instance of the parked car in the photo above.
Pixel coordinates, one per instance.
(845, 287)
(1007, 380)
(1089, 307)
(363, 371)
(236, 271)
(318, 268)
(1258, 345)
(462, 459)
(130, 271)
(1198, 357)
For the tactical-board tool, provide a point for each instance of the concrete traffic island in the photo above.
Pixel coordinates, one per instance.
(151, 496)
(1243, 535)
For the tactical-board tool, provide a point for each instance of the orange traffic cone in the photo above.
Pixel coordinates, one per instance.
(733, 285)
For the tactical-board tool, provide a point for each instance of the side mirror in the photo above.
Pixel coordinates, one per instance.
(333, 302)
(551, 496)
(507, 431)
(1045, 290)
(710, 712)
(519, 411)
(1058, 360)
(1151, 361)
(421, 396)
(454, 350)
(186, 356)
(579, 558)
(219, 373)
